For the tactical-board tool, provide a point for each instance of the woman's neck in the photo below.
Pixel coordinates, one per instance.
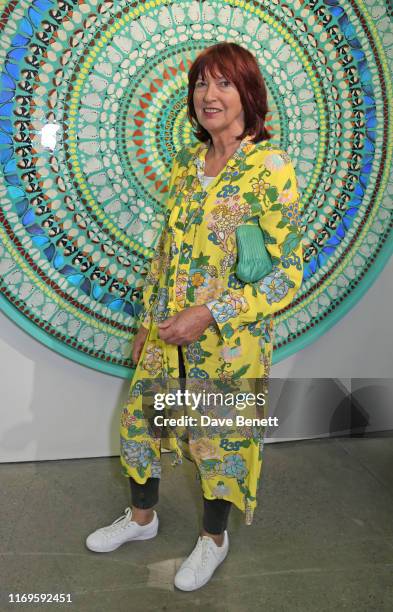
(222, 148)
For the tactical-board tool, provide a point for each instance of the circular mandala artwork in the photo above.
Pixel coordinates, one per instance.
(92, 110)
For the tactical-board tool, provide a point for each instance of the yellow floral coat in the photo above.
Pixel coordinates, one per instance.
(195, 264)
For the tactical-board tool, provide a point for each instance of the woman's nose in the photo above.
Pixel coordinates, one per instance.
(210, 93)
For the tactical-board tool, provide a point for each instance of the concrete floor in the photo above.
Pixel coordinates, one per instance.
(322, 537)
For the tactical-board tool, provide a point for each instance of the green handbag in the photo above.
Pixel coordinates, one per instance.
(253, 259)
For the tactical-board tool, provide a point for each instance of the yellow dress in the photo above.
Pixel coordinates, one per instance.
(194, 264)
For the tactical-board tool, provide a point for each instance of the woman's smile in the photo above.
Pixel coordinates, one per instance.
(210, 112)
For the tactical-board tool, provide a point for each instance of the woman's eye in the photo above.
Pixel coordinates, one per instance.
(202, 83)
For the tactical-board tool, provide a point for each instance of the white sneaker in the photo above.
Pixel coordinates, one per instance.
(122, 530)
(199, 567)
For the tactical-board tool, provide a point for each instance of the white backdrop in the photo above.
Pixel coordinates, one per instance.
(53, 408)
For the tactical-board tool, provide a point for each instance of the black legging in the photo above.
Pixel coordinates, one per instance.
(215, 511)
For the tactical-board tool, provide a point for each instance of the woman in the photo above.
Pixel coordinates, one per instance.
(200, 322)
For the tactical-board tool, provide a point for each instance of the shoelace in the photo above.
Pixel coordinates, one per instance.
(206, 550)
(202, 550)
(122, 521)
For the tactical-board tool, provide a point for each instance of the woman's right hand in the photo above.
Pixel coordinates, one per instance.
(138, 343)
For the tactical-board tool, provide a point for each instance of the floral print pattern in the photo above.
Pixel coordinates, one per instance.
(275, 286)
(195, 264)
(152, 361)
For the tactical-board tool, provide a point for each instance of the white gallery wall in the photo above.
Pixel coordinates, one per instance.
(53, 408)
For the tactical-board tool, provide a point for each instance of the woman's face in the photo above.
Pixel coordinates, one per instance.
(221, 95)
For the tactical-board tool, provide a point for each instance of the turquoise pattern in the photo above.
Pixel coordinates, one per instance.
(92, 112)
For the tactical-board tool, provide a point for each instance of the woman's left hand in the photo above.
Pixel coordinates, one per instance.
(186, 326)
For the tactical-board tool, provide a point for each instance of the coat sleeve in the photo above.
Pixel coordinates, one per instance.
(152, 277)
(281, 225)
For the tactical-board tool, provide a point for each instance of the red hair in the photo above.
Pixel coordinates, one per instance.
(240, 67)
